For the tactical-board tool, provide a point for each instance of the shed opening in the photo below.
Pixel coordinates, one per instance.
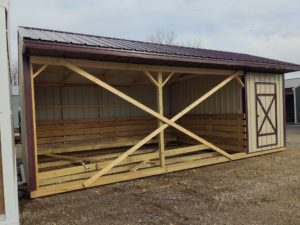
(87, 135)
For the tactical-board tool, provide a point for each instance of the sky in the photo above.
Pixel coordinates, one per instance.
(268, 28)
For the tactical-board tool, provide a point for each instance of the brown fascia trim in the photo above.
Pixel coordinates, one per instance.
(65, 49)
(288, 91)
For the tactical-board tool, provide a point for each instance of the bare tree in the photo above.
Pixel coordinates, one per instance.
(195, 43)
(169, 38)
(162, 37)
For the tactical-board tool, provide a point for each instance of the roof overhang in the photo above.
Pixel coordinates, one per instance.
(55, 49)
(289, 91)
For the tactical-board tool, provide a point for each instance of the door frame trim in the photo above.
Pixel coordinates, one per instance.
(266, 112)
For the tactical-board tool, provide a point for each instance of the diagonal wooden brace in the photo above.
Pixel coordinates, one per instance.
(152, 112)
(150, 77)
(240, 82)
(158, 130)
(39, 71)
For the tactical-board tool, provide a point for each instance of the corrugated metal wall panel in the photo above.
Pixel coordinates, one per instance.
(297, 105)
(226, 100)
(48, 98)
(277, 114)
(91, 102)
(73, 97)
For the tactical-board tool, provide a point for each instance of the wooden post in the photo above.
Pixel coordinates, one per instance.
(32, 76)
(157, 131)
(160, 109)
(168, 122)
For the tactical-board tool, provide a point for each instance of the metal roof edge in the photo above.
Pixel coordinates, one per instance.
(84, 49)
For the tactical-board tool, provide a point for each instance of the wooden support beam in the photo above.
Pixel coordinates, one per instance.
(140, 165)
(157, 131)
(152, 112)
(66, 78)
(240, 82)
(167, 79)
(150, 77)
(184, 77)
(129, 66)
(160, 109)
(39, 71)
(34, 116)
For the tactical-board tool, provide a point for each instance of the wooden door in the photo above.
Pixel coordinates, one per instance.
(266, 114)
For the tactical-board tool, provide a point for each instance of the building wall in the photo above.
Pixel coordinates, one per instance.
(9, 213)
(289, 109)
(256, 114)
(81, 102)
(297, 104)
(227, 100)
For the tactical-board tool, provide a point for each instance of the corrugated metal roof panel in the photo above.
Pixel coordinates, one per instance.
(138, 46)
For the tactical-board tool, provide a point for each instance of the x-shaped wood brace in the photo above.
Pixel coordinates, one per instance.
(266, 114)
(168, 122)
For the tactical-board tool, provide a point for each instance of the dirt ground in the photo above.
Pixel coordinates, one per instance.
(259, 190)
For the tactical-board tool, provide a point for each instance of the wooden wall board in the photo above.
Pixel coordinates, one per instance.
(227, 131)
(119, 177)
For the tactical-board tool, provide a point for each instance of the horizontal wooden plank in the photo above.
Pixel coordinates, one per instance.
(78, 184)
(103, 106)
(112, 135)
(83, 125)
(125, 168)
(74, 132)
(227, 131)
(94, 120)
(129, 160)
(106, 154)
(230, 147)
(91, 145)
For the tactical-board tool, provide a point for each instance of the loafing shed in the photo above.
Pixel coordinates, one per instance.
(98, 110)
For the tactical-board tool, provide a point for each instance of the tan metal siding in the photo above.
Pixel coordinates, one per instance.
(92, 102)
(226, 100)
(251, 80)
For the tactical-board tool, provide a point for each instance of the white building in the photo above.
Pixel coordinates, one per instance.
(8, 176)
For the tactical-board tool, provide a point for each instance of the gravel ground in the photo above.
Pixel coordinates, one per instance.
(260, 190)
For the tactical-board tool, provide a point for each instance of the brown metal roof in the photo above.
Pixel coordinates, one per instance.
(81, 45)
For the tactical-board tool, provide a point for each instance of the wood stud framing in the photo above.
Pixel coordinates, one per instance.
(163, 76)
(159, 83)
(34, 75)
(160, 129)
(157, 115)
